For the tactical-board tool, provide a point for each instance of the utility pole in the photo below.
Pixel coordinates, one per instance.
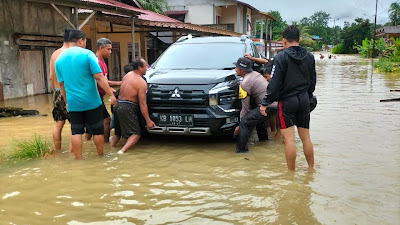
(373, 44)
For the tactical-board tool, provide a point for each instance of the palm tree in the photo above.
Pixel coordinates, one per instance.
(158, 6)
(394, 13)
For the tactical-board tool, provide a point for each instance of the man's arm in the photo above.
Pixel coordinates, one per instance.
(114, 83)
(102, 82)
(313, 78)
(143, 105)
(275, 84)
(257, 60)
(63, 93)
(52, 75)
(245, 106)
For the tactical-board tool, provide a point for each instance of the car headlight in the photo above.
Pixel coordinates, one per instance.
(223, 93)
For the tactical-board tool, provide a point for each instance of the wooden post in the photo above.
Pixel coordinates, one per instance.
(143, 50)
(270, 38)
(174, 37)
(266, 39)
(93, 34)
(238, 19)
(1, 92)
(133, 37)
(87, 19)
(245, 20)
(63, 16)
(76, 18)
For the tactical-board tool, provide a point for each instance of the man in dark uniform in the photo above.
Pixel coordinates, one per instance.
(293, 80)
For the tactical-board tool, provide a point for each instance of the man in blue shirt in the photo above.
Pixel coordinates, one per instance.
(78, 71)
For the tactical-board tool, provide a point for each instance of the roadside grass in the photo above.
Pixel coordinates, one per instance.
(36, 147)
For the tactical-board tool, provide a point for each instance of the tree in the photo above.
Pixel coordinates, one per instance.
(320, 19)
(353, 34)
(158, 6)
(394, 14)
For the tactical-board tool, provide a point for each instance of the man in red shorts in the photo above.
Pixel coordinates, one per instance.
(293, 80)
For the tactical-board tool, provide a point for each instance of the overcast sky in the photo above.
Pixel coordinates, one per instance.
(344, 10)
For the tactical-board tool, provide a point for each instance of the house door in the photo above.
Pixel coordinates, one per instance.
(32, 68)
(115, 62)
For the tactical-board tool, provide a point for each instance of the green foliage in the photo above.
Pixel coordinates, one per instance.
(353, 34)
(381, 48)
(385, 65)
(28, 149)
(317, 25)
(396, 43)
(365, 49)
(394, 14)
(158, 6)
(338, 49)
(309, 44)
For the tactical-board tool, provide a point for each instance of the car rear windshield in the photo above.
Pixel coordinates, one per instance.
(201, 56)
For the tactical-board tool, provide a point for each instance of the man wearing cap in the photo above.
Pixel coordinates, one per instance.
(252, 90)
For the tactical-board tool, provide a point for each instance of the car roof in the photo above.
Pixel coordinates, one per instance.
(219, 39)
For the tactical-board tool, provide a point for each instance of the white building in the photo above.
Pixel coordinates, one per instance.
(229, 15)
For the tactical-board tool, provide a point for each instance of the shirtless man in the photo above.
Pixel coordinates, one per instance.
(132, 96)
(59, 109)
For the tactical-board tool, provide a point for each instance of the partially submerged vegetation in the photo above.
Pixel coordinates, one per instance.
(36, 147)
(388, 51)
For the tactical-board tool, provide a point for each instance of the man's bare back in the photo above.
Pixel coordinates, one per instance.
(53, 78)
(132, 83)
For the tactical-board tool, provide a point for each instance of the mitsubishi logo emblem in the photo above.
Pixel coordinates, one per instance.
(175, 93)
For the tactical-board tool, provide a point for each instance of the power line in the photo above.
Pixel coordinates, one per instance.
(387, 10)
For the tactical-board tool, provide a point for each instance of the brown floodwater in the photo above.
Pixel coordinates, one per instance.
(181, 180)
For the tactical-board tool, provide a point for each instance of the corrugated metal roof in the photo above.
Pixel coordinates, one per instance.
(152, 19)
(171, 26)
(145, 14)
(186, 26)
(268, 15)
(388, 30)
(246, 4)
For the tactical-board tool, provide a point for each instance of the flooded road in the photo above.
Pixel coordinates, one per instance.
(172, 180)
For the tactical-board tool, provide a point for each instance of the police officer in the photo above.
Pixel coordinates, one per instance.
(252, 90)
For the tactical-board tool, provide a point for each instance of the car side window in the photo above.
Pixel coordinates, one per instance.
(255, 52)
(251, 50)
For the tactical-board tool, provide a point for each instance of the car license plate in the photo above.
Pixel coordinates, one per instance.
(175, 120)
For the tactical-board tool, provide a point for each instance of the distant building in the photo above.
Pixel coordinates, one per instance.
(388, 32)
(229, 15)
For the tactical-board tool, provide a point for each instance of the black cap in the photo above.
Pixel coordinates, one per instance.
(244, 64)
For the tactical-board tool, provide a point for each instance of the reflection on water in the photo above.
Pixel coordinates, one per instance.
(181, 180)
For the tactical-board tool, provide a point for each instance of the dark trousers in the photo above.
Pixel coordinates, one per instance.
(247, 123)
